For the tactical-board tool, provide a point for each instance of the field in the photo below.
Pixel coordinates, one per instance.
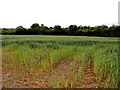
(43, 61)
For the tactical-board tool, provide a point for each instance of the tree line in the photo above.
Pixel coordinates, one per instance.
(72, 30)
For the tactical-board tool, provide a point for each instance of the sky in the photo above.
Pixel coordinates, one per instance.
(24, 13)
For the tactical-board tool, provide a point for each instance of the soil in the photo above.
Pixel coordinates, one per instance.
(89, 79)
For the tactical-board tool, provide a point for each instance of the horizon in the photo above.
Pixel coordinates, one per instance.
(55, 25)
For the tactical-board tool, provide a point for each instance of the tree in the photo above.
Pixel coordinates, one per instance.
(35, 29)
(44, 30)
(42, 25)
(58, 30)
(20, 30)
(73, 29)
(80, 27)
(35, 25)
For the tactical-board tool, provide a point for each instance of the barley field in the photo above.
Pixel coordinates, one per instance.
(46, 61)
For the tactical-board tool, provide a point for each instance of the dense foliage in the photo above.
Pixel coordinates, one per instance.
(73, 30)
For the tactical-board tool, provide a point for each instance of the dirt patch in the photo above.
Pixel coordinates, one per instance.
(90, 79)
(55, 77)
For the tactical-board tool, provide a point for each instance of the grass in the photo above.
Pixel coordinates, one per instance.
(38, 56)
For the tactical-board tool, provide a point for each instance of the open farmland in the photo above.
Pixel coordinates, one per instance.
(43, 61)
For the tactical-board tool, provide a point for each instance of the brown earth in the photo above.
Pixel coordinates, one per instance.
(63, 69)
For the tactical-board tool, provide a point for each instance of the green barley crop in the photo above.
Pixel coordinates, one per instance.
(34, 55)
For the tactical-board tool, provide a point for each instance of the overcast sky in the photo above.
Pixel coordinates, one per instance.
(14, 13)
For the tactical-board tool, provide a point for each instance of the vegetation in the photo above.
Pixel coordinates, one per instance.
(36, 61)
(72, 30)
